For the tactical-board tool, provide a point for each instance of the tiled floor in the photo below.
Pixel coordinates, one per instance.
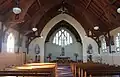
(64, 71)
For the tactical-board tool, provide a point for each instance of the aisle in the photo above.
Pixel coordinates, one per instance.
(64, 71)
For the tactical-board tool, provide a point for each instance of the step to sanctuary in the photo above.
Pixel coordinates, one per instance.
(64, 71)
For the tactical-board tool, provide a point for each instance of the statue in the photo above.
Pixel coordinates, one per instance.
(62, 52)
(90, 49)
(76, 56)
(62, 56)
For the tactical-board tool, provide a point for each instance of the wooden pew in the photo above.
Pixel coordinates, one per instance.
(35, 69)
(94, 69)
(25, 73)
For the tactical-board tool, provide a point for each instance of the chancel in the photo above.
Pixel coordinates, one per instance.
(60, 38)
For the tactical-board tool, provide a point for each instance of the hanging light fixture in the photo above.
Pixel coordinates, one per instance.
(96, 27)
(118, 10)
(41, 36)
(90, 33)
(17, 10)
(34, 29)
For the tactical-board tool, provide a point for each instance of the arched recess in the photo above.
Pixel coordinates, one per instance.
(72, 22)
(77, 26)
(67, 26)
(66, 18)
(70, 49)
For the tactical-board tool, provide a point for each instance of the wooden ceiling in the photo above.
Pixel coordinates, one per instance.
(36, 13)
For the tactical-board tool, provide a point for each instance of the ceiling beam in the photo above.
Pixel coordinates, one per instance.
(88, 4)
(41, 6)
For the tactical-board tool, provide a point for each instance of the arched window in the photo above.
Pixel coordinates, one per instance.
(62, 38)
(118, 42)
(104, 46)
(10, 43)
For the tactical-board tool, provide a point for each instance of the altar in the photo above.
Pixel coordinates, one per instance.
(63, 58)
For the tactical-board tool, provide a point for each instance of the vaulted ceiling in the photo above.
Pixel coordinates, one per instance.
(36, 13)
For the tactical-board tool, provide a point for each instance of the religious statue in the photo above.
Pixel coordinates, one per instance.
(37, 49)
(62, 52)
(90, 49)
(62, 58)
(76, 56)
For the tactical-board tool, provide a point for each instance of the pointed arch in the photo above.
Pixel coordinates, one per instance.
(66, 26)
(78, 27)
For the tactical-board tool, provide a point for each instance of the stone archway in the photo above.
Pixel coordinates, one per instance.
(84, 39)
(71, 21)
(71, 45)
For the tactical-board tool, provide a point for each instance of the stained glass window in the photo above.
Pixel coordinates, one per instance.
(104, 46)
(118, 42)
(10, 43)
(62, 38)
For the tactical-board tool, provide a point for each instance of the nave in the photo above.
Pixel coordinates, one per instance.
(78, 69)
(60, 38)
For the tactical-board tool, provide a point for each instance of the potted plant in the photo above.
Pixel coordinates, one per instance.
(49, 57)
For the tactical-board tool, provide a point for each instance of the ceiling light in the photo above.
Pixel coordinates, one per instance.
(17, 10)
(34, 29)
(90, 33)
(94, 37)
(41, 36)
(118, 10)
(96, 27)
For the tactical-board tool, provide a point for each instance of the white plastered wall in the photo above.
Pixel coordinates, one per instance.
(85, 40)
(8, 59)
(111, 58)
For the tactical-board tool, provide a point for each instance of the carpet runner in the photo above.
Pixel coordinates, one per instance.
(64, 71)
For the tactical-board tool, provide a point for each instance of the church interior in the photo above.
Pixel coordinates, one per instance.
(59, 38)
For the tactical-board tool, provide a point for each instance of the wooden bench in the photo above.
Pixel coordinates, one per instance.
(26, 73)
